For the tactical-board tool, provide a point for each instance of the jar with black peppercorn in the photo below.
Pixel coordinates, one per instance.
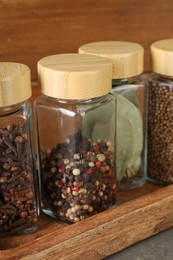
(160, 114)
(128, 87)
(18, 199)
(76, 168)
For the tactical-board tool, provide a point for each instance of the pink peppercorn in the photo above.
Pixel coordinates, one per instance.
(89, 171)
(64, 190)
(98, 164)
(75, 188)
(96, 148)
(61, 169)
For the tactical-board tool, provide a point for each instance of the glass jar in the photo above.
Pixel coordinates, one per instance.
(76, 156)
(128, 87)
(160, 117)
(18, 200)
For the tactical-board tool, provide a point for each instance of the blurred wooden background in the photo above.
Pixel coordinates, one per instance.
(30, 30)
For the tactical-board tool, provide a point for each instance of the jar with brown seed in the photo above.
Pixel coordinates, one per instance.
(128, 87)
(76, 167)
(18, 200)
(160, 114)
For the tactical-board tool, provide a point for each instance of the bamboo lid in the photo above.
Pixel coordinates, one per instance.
(162, 57)
(127, 57)
(15, 83)
(74, 76)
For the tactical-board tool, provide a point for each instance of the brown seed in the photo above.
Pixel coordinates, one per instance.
(3, 179)
(24, 214)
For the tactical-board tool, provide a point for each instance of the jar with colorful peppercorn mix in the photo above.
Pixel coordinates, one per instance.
(76, 168)
(18, 199)
(160, 114)
(128, 87)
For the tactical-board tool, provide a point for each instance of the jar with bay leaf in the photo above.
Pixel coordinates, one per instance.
(128, 87)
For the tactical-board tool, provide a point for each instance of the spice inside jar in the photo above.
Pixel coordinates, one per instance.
(159, 114)
(79, 182)
(160, 130)
(17, 205)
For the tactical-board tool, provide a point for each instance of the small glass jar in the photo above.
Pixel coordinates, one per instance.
(160, 117)
(128, 87)
(18, 200)
(76, 156)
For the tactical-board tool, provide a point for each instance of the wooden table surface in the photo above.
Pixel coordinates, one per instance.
(30, 30)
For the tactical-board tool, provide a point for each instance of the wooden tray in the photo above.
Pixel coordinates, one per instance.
(140, 213)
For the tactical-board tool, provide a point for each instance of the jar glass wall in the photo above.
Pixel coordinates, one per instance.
(18, 193)
(130, 131)
(159, 129)
(77, 162)
(18, 200)
(159, 104)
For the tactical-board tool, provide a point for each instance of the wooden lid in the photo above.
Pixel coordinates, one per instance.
(162, 57)
(15, 83)
(127, 57)
(74, 76)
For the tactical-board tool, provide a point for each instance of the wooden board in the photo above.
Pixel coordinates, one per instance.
(100, 235)
(30, 30)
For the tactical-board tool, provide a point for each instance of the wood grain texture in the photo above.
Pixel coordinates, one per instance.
(162, 58)
(100, 235)
(30, 30)
(48, 225)
(127, 58)
(71, 71)
(13, 78)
